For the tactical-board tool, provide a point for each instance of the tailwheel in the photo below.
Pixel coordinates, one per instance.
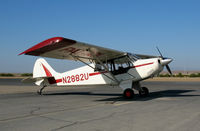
(40, 91)
(144, 92)
(128, 93)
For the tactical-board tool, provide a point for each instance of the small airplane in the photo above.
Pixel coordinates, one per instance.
(103, 66)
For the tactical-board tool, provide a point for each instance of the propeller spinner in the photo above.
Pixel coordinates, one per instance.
(165, 61)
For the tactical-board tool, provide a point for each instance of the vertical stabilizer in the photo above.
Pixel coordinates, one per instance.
(43, 69)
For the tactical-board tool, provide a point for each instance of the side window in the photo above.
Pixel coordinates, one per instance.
(125, 65)
(116, 66)
(98, 67)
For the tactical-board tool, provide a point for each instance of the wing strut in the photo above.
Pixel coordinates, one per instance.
(115, 79)
(77, 58)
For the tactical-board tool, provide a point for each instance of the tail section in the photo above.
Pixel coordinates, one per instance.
(43, 69)
(43, 73)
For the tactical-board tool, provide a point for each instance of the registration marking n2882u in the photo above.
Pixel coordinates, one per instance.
(76, 78)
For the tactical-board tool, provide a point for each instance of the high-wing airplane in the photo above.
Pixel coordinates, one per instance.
(103, 66)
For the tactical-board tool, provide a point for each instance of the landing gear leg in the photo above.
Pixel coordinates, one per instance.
(143, 91)
(40, 91)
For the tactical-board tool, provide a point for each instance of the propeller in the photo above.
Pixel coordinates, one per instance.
(165, 61)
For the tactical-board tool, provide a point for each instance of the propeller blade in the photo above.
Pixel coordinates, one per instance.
(165, 61)
(160, 53)
(168, 69)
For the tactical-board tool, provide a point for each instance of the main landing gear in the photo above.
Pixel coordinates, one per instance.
(129, 92)
(40, 91)
(144, 92)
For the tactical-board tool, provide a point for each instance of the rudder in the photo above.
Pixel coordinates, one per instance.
(43, 69)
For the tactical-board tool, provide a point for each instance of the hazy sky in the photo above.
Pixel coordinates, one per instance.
(136, 26)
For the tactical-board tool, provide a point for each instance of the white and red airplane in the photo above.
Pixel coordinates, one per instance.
(103, 66)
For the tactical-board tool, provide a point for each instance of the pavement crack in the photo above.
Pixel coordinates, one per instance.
(22, 116)
(61, 127)
(15, 118)
(50, 118)
(86, 121)
(100, 118)
(32, 112)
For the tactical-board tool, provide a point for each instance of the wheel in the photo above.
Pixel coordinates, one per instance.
(144, 92)
(128, 93)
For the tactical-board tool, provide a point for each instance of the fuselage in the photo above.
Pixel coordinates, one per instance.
(139, 70)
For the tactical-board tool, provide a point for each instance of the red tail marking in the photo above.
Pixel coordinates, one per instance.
(48, 73)
(51, 79)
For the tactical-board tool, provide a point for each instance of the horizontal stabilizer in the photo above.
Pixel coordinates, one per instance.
(29, 80)
(40, 80)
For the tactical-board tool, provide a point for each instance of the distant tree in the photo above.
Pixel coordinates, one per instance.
(164, 75)
(198, 74)
(194, 75)
(6, 74)
(179, 75)
(27, 74)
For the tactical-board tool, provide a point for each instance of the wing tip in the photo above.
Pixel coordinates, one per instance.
(42, 44)
(21, 53)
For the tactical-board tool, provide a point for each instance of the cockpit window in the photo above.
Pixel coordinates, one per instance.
(118, 65)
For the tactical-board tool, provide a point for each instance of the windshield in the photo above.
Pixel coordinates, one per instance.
(133, 56)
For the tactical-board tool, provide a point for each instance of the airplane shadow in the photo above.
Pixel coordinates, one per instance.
(119, 97)
(84, 93)
(154, 95)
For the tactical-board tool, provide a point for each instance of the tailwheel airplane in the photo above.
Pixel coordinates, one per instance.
(103, 66)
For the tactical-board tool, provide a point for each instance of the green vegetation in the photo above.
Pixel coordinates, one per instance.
(194, 75)
(15, 75)
(6, 74)
(164, 75)
(180, 75)
(27, 74)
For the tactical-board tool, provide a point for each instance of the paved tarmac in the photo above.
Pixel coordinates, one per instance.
(171, 106)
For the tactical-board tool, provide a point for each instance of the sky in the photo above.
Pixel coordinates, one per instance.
(136, 26)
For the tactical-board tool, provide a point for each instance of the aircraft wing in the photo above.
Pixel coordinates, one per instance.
(146, 56)
(63, 48)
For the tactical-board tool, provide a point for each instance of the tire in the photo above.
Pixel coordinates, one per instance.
(128, 93)
(144, 92)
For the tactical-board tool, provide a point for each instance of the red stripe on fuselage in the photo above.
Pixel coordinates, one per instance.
(97, 73)
(142, 65)
(58, 80)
